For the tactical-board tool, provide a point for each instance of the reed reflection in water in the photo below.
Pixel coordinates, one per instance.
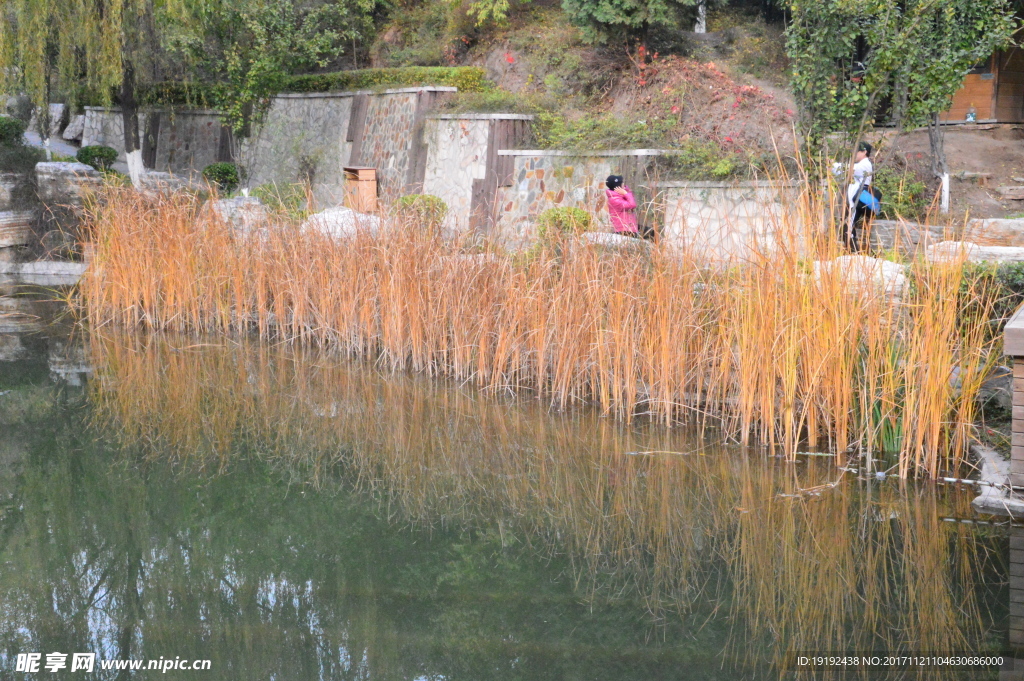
(799, 557)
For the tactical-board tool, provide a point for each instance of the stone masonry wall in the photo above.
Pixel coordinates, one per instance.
(725, 219)
(457, 156)
(106, 127)
(306, 136)
(302, 137)
(549, 179)
(187, 141)
(387, 140)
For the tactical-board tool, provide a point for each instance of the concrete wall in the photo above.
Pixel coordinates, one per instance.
(726, 219)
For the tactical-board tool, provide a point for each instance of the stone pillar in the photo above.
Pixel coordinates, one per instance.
(1013, 347)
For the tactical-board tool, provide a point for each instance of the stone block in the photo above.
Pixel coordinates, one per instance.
(163, 183)
(995, 232)
(65, 183)
(947, 251)
(244, 213)
(1011, 193)
(73, 133)
(1017, 466)
(1018, 369)
(16, 228)
(16, 190)
(56, 120)
(1017, 439)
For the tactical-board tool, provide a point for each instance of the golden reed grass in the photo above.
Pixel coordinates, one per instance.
(643, 511)
(769, 348)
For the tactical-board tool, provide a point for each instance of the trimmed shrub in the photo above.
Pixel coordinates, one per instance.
(225, 175)
(203, 95)
(11, 131)
(465, 78)
(563, 220)
(97, 156)
(427, 208)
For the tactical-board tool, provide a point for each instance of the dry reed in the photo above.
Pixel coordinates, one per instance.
(642, 510)
(772, 349)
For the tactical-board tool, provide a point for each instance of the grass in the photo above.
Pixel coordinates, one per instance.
(761, 348)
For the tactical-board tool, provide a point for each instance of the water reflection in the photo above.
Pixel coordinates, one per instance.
(483, 539)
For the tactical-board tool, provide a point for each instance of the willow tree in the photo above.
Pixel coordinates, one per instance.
(102, 46)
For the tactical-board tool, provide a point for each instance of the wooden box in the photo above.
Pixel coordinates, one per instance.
(361, 189)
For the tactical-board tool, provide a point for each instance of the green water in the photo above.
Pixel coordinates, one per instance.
(289, 514)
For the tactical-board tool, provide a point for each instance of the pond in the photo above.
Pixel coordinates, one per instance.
(288, 513)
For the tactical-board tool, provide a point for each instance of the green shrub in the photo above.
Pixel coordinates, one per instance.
(225, 175)
(465, 78)
(426, 208)
(97, 156)
(1004, 280)
(903, 196)
(20, 159)
(561, 221)
(11, 131)
(203, 95)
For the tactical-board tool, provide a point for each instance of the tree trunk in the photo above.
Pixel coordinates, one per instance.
(130, 118)
(702, 17)
(936, 139)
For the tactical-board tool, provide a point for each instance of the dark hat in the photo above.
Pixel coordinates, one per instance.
(614, 181)
(865, 147)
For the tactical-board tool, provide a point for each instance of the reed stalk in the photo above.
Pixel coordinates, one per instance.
(770, 348)
(644, 511)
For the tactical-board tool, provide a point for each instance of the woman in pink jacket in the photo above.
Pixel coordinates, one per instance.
(621, 205)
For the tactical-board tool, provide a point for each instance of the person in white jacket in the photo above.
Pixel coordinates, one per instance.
(862, 199)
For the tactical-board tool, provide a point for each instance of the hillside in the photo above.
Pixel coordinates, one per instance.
(718, 97)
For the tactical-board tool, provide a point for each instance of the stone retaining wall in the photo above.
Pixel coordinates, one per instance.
(728, 219)
(180, 142)
(463, 166)
(105, 127)
(313, 136)
(543, 179)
